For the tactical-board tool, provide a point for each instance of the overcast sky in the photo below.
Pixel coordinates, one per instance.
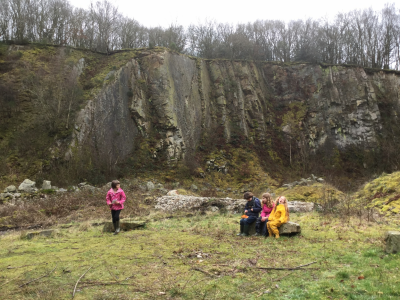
(164, 12)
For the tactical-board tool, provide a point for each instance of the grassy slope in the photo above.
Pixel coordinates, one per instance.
(162, 259)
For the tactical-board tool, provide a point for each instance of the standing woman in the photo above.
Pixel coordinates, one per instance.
(115, 200)
(278, 216)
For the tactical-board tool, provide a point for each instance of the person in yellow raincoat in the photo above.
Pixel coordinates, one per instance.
(278, 216)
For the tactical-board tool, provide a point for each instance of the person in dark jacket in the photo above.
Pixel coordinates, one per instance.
(251, 210)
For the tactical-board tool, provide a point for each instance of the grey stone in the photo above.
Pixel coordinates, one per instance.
(47, 233)
(10, 189)
(125, 225)
(289, 228)
(320, 180)
(194, 187)
(300, 206)
(392, 239)
(27, 186)
(4, 196)
(46, 185)
(17, 195)
(213, 208)
(176, 184)
(159, 186)
(150, 186)
(61, 190)
(82, 184)
(88, 188)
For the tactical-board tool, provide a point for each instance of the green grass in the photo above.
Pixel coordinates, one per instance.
(161, 261)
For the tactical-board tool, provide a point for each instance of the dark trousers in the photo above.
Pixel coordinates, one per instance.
(115, 215)
(261, 227)
(250, 220)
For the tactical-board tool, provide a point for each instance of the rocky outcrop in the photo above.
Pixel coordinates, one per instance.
(179, 99)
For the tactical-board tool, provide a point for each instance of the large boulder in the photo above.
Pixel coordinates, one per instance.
(10, 189)
(289, 228)
(392, 239)
(27, 186)
(125, 225)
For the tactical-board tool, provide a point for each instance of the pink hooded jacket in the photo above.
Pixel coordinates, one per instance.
(118, 195)
(266, 211)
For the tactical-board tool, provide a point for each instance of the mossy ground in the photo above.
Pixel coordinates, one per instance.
(161, 261)
(382, 193)
(316, 192)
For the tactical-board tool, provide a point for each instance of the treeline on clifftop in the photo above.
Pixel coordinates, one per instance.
(362, 37)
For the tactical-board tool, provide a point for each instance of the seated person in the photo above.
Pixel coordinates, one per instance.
(267, 206)
(278, 216)
(251, 210)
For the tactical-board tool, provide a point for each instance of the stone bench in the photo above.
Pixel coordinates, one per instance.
(392, 239)
(289, 228)
(125, 225)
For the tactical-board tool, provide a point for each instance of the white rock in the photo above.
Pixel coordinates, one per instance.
(150, 186)
(27, 186)
(299, 206)
(46, 185)
(10, 189)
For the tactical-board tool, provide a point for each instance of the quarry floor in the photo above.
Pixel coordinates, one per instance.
(200, 257)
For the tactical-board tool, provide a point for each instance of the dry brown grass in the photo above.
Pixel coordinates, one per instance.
(67, 207)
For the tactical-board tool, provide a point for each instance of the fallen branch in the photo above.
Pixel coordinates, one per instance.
(295, 268)
(203, 271)
(73, 294)
(39, 277)
(9, 267)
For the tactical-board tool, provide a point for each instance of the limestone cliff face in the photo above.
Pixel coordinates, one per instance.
(184, 99)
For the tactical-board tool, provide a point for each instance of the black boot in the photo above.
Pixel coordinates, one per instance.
(241, 229)
(246, 230)
(116, 226)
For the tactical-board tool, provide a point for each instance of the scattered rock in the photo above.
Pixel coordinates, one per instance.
(213, 208)
(10, 189)
(46, 185)
(299, 206)
(4, 196)
(320, 180)
(88, 188)
(172, 193)
(150, 186)
(392, 239)
(82, 184)
(17, 195)
(30, 235)
(159, 186)
(125, 225)
(194, 187)
(61, 190)
(27, 186)
(174, 202)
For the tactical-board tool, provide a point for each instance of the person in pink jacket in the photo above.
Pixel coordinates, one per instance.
(267, 207)
(115, 200)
